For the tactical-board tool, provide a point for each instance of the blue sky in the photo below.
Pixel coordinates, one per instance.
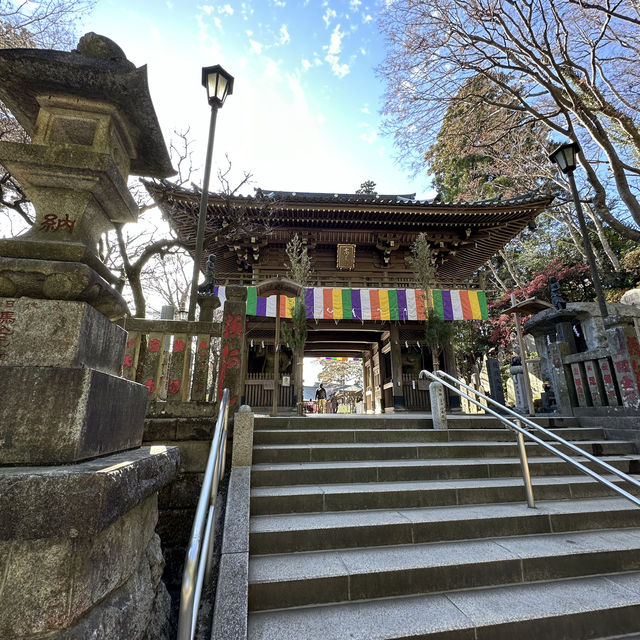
(304, 115)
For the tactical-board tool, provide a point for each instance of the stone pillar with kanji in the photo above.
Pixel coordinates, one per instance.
(78, 493)
(230, 370)
(625, 355)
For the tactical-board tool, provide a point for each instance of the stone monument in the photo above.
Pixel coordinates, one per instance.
(78, 495)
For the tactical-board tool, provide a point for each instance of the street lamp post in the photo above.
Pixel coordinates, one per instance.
(219, 85)
(565, 157)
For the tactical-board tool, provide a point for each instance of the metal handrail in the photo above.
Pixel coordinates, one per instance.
(522, 432)
(197, 564)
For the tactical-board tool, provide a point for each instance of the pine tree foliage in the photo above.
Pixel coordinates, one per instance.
(300, 271)
(422, 261)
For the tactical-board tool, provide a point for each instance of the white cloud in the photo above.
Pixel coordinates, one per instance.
(335, 43)
(217, 22)
(355, 4)
(333, 51)
(369, 137)
(279, 3)
(249, 33)
(365, 109)
(272, 70)
(207, 8)
(306, 65)
(328, 16)
(367, 18)
(256, 47)
(284, 35)
(170, 5)
(227, 8)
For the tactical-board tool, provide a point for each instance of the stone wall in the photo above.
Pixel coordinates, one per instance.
(177, 501)
(78, 548)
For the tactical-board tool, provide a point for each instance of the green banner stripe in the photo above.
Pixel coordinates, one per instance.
(393, 305)
(482, 301)
(252, 301)
(346, 304)
(437, 302)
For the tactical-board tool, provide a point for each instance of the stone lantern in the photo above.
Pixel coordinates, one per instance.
(78, 492)
(91, 122)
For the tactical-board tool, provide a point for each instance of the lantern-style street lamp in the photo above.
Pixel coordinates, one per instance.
(219, 84)
(566, 156)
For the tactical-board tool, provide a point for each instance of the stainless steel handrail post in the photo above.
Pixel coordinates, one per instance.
(524, 465)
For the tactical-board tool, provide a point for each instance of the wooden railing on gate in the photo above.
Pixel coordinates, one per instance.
(258, 390)
(416, 393)
(179, 358)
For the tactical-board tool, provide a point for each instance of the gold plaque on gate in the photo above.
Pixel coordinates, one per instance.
(346, 257)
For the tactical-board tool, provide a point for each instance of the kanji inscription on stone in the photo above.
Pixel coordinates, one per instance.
(180, 359)
(608, 382)
(593, 382)
(580, 384)
(7, 320)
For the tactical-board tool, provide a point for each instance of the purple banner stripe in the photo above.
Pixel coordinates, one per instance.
(308, 302)
(356, 305)
(403, 313)
(261, 306)
(446, 304)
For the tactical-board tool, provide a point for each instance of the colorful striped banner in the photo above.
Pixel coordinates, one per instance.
(372, 304)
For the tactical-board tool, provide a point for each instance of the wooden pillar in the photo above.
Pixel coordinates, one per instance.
(276, 360)
(396, 369)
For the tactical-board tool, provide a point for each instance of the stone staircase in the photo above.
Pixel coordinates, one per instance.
(367, 528)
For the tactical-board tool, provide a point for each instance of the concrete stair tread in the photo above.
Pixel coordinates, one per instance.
(448, 462)
(577, 608)
(380, 517)
(301, 532)
(386, 445)
(442, 434)
(288, 567)
(416, 485)
(398, 421)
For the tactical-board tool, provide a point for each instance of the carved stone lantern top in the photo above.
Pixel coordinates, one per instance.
(91, 122)
(97, 70)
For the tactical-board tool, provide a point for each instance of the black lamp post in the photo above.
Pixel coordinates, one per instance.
(565, 156)
(219, 85)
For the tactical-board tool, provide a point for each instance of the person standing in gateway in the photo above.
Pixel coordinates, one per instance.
(321, 397)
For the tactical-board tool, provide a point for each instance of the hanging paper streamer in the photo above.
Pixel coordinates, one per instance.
(371, 304)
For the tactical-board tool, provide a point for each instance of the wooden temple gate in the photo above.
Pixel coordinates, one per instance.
(358, 245)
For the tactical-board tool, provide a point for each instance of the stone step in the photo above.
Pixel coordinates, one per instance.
(576, 609)
(290, 533)
(401, 495)
(312, 578)
(421, 451)
(396, 421)
(314, 436)
(413, 470)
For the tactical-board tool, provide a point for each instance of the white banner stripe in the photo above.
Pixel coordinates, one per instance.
(318, 303)
(456, 305)
(365, 302)
(412, 311)
(271, 306)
